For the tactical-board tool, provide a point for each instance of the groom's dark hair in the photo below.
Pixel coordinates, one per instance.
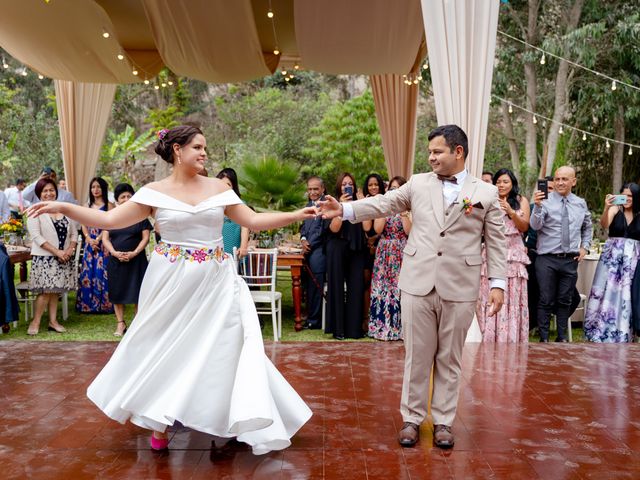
(453, 135)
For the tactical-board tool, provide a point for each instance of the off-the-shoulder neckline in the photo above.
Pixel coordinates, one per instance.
(185, 203)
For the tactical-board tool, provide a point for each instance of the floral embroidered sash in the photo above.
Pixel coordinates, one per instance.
(174, 252)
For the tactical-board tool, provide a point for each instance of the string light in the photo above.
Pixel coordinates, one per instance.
(270, 14)
(613, 85)
(296, 67)
(146, 82)
(608, 145)
(163, 85)
(170, 82)
(156, 87)
(535, 120)
(577, 65)
(284, 72)
(5, 64)
(543, 60)
(135, 72)
(105, 34)
(510, 108)
(40, 77)
(120, 56)
(584, 133)
(276, 51)
(425, 66)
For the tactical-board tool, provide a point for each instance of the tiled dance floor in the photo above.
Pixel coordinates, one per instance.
(536, 411)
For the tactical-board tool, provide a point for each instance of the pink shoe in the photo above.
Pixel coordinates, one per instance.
(159, 444)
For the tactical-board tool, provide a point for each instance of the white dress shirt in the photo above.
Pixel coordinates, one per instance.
(5, 212)
(13, 196)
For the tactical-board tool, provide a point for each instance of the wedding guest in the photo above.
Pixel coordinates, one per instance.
(127, 262)
(53, 244)
(608, 314)
(563, 222)
(233, 235)
(346, 258)
(93, 293)
(17, 202)
(5, 211)
(384, 310)
(487, 177)
(9, 310)
(511, 323)
(47, 172)
(62, 184)
(313, 236)
(373, 185)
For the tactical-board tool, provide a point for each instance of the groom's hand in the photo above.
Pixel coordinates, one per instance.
(496, 299)
(330, 208)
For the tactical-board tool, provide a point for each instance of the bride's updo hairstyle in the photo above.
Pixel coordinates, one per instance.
(181, 135)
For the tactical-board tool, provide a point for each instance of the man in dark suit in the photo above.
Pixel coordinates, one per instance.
(313, 235)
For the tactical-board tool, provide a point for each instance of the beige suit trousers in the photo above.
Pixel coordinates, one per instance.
(434, 334)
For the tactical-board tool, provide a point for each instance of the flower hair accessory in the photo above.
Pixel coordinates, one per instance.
(467, 207)
(162, 133)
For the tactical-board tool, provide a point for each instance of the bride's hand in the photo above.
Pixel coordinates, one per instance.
(44, 207)
(307, 212)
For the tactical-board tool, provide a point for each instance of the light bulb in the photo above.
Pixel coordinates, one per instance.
(41, 77)
(284, 72)
(613, 85)
(510, 108)
(415, 82)
(157, 87)
(146, 82)
(560, 130)
(296, 67)
(163, 84)
(276, 51)
(170, 82)
(135, 72)
(584, 136)
(270, 13)
(630, 150)
(425, 66)
(120, 56)
(535, 120)
(24, 72)
(5, 65)
(543, 60)
(608, 145)
(286, 79)
(105, 34)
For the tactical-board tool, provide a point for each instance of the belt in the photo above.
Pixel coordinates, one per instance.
(564, 255)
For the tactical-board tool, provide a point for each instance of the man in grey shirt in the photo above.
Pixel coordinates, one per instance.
(563, 222)
(29, 193)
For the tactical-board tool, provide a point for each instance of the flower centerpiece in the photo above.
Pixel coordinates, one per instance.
(12, 228)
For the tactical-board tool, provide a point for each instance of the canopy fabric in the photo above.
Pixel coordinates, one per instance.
(384, 39)
(397, 113)
(214, 40)
(83, 110)
(461, 38)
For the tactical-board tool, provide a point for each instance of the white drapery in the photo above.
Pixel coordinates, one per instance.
(83, 112)
(461, 40)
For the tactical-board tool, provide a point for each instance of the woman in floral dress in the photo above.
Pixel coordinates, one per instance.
(93, 294)
(611, 302)
(384, 312)
(511, 324)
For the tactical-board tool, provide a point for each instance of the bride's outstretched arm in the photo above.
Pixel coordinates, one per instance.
(243, 215)
(125, 215)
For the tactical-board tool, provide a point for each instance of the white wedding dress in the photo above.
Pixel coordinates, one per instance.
(194, 351)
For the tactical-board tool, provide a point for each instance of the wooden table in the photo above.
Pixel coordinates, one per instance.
(295, 261)
(21, 257)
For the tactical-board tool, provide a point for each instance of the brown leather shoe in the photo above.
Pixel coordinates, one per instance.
(442, 436)
(409, 435)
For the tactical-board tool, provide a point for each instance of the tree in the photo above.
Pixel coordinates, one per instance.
(271, 184)
(119, 153)
(346, 140)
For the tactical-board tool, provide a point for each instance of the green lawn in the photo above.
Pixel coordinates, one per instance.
(91, 327)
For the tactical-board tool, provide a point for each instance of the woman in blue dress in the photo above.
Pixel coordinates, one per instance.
(93, 294)
(608, 316)
(233, 235)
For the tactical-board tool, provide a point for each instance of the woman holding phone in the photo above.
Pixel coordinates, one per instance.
(346, 257)
(608, 316)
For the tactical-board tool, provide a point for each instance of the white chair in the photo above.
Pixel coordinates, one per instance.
(258, 269)
(581, 306)
(26, 297)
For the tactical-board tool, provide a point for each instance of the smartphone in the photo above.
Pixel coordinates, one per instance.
(619, 200)
(348, 189)
(543, 186)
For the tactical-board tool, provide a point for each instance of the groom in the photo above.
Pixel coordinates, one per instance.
(440, 275)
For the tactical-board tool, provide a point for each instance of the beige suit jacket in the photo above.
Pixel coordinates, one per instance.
(444, 249)
(42, 230)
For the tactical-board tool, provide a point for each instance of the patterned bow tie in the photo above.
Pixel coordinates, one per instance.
(451, 179)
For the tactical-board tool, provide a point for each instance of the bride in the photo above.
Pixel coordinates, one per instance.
(194, 351)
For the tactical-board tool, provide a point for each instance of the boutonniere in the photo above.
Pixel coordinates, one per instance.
(467, 206)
